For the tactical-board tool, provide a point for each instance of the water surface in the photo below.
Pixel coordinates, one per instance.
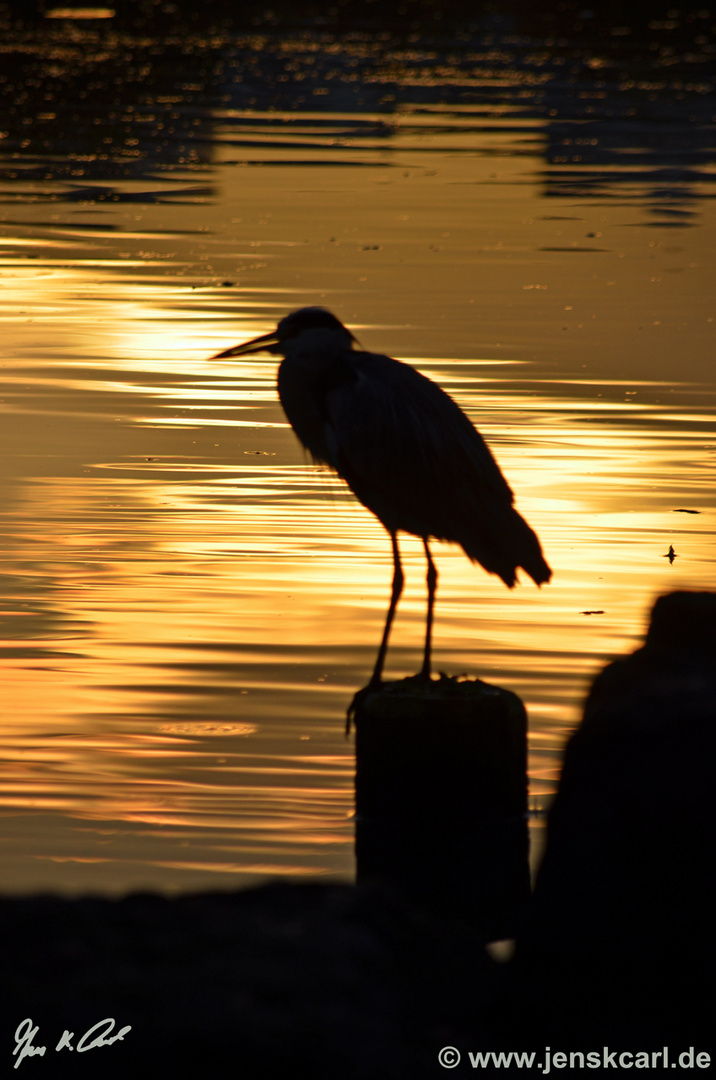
(188, 603)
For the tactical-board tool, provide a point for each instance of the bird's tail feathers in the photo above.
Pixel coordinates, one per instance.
(507, 544)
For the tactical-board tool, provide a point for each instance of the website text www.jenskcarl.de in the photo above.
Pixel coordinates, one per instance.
(450, 1057)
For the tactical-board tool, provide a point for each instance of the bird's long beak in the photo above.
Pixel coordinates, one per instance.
(259, 344)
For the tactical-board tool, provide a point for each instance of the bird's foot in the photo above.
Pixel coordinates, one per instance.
(420, 680)
(358, 698)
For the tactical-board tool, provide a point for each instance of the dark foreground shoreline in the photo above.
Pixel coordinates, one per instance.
(321, 981)
(330, 981)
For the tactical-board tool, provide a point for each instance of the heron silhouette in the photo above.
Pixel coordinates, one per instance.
(405, 449)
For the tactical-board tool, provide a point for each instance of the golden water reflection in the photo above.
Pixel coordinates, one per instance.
(177, 626)
(189, 604)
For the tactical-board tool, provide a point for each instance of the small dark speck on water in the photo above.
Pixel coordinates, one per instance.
(670, 555)
(682, 511)
(591, 612)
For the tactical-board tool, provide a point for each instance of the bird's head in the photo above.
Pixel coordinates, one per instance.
(309, 329)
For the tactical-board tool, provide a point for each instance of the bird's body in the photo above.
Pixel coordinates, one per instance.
(403, 446)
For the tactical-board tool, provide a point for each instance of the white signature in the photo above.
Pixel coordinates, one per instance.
(98, 1035)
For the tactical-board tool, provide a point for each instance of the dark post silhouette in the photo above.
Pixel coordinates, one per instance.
(441, 799)
(626, 894)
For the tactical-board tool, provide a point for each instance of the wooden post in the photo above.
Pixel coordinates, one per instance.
(441, 799)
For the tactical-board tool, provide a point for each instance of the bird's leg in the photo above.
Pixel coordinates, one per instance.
(375, 679)
(432, 587)
(396, 590)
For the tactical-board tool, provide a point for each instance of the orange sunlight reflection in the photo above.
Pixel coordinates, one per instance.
(189, 604)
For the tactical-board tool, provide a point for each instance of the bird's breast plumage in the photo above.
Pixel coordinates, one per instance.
(306, 385)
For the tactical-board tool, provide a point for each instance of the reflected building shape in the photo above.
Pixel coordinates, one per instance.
(110, 99)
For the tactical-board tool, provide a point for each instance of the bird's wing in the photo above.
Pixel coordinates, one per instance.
(408, 451)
